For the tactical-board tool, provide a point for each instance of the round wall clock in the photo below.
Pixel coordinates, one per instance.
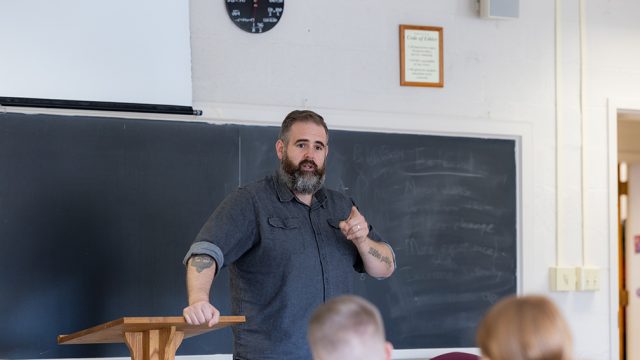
(255, 16)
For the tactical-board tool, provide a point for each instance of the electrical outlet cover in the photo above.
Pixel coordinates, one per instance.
(588, 278)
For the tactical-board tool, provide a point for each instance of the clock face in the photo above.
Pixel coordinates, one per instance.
(255, 16)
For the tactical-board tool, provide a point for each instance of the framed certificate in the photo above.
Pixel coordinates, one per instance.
(421, 56)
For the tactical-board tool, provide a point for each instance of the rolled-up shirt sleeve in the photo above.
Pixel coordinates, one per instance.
(205, 248)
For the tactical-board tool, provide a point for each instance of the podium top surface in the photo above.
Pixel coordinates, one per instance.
(113, 331)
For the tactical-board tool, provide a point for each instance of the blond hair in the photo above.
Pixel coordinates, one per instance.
(347, 327)
(524, 328)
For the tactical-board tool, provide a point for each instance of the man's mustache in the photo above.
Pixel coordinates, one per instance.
(307, 162)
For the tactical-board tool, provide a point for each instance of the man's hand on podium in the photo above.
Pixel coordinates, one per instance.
(201, 312)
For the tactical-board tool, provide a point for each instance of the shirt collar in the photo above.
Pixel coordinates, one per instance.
(284, 193)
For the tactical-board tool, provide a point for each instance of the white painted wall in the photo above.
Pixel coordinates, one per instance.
(341, 58)
(633, 264)
(99, 50)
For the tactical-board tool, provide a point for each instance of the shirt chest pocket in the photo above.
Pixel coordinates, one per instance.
(286, 234)
(343, 244)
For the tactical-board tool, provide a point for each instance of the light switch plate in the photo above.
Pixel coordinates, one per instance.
(562, 278)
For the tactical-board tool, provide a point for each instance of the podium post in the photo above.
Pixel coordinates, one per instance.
(148, 338)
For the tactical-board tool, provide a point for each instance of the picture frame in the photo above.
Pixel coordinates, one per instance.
(421, 56)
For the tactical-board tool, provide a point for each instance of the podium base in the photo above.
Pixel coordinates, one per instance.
(154, 344)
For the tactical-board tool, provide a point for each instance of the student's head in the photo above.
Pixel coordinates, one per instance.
(302, 148)
(348, 327)
(524, 328)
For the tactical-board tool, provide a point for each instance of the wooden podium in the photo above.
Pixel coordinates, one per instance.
(148, 338)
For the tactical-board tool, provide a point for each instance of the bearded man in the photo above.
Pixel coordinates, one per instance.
(290, 245)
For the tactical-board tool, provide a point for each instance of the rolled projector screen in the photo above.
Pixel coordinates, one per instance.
(131, 51)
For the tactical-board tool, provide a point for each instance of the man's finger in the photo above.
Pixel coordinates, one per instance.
(215, 317)
(200, 316)
(187, 316)
(192, 318)
(354, 212)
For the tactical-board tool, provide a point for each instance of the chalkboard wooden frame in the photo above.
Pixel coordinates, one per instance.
(519, 285)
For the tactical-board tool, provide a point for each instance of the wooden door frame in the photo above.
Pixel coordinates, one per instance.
(615, 106)
(622, 292)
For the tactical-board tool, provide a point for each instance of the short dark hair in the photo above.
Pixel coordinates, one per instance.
(300, 116)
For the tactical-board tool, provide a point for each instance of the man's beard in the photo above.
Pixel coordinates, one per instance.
(298, 180)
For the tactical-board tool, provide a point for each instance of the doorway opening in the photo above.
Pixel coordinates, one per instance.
(628, 224)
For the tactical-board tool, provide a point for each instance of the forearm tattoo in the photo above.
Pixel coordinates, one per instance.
(201, 262)
(376, 254)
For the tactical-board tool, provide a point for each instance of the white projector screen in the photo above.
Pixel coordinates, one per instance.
(132, 51)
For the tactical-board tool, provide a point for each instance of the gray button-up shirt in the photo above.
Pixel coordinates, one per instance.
(285, 258)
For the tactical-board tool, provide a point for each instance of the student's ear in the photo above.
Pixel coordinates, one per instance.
(388, 350)
(280, 149)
